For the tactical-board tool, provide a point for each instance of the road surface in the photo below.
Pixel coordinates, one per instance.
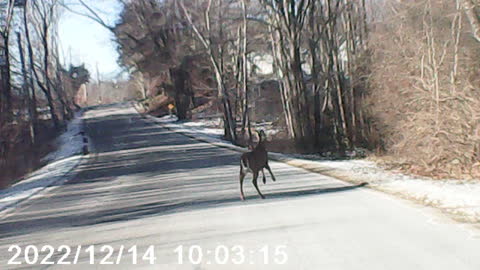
(151, 195)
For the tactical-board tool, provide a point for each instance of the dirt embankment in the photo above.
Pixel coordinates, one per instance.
(22, 157)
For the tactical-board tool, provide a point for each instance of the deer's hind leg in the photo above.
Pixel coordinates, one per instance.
(242, 176)
(264, 178)
(255, 176)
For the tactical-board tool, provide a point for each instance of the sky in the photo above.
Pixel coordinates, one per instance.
(87, 41)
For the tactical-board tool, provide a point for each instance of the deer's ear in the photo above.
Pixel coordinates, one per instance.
(262, 134)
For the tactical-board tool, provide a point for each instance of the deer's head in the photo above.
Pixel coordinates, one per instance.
(261, 135)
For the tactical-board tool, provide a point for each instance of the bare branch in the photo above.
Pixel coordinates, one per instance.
(92, 15)
(473, 18)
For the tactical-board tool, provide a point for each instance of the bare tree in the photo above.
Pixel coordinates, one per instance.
(422, 99)
(29, 103)
(244, 71)
(6, 92)
(288, 21)
(46, 14)
(206, 39)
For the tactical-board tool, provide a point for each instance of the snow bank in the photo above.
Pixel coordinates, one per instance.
(460, 198)
(202, 127)
(60, 162)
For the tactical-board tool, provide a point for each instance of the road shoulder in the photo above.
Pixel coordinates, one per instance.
(61, 163)
(459, 199)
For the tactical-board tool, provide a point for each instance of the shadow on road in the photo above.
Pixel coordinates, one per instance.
(139, 170)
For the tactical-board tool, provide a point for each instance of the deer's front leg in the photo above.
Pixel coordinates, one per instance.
(264, 178)
(270, 171)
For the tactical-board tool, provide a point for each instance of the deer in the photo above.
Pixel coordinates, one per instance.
(253, 162)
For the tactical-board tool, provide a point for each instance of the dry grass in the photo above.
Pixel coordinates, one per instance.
(424, 100)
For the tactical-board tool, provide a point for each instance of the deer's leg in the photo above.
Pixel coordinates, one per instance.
(270, 171)
(264, 178)
(242, 176)
(255, 176)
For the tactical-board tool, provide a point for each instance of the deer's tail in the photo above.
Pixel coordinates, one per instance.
(244, 162)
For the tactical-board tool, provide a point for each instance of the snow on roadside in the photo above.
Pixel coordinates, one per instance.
(60, 162)
(460, 198)
(202, 127)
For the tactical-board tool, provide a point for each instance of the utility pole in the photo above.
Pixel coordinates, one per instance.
(98, 74)
(70, 55)
(98, 84)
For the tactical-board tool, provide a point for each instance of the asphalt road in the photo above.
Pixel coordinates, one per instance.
(145, 186)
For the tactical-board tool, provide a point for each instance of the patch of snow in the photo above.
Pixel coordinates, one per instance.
(69, 142)
(204, 127)
(167, 119)
(60, 162)
(458, 197)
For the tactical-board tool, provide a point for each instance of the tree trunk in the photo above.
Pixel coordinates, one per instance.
(182, 97)
(33, 69)
(26, 92)
(473, 18)
(7, 86)
(244, 72)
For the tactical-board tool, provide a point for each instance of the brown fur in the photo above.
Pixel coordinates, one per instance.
(254, 162)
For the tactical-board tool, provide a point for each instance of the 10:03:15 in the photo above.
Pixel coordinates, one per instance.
(222, 254)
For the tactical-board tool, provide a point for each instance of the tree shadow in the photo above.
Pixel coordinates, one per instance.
(140, 170)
